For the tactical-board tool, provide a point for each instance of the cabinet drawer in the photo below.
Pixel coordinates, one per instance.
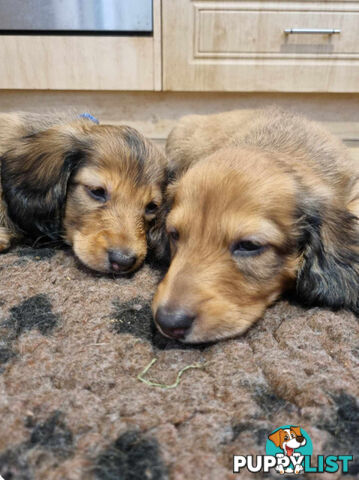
(243, 46)
(239, 32)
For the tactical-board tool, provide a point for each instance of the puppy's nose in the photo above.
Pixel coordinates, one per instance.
(300, 438)
(121, 260)
(174, 322)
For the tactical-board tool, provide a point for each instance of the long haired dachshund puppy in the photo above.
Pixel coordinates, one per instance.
(265, 201)
(99, 188)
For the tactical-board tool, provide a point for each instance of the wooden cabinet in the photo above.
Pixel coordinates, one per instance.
(77, 63)
(243, 46)
(82, 62)
(200, 45)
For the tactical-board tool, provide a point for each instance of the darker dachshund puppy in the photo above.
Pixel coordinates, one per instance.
(265, 201)
(98, 188)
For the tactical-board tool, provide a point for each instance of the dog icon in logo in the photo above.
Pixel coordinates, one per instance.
(288, 439)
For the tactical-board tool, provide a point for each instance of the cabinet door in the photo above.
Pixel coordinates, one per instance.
(70, 62)
(76, 63)
(244, 46)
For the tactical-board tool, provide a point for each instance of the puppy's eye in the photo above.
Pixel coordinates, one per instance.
(246, 248)
(286, 437)
(173, 234)
(97, 193)
(151, 208)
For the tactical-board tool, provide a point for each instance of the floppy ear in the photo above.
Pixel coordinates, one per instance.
(276, 438)
(156, 236)
(297, 431)
(329, 270)
(34, 174)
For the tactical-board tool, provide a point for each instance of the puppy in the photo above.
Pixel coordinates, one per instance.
(265, 201)
(98, 188)
(288, 439)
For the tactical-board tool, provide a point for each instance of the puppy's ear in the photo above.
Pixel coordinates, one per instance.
(276, 438)
(297, 431)
(35, 173)
(158, 243)
(329, 269)
(157, 237)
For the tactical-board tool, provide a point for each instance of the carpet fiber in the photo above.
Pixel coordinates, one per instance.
(71, 406)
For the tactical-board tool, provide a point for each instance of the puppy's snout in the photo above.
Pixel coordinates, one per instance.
(174, 323)
(300, 439)
(121, 260)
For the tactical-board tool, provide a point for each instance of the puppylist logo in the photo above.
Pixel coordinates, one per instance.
(289, 450)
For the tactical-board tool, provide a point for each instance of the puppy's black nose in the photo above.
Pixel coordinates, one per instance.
(174, 322)
(121, 260)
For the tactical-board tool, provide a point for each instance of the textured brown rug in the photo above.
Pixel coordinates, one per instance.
(71, 406)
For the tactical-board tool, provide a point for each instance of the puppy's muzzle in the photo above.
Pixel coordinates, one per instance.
(121, 261)
(174, 322)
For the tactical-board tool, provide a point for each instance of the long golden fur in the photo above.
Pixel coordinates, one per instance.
(265, 201)
(99, 188)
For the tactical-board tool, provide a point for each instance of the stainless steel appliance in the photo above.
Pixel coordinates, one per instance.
(51, 16)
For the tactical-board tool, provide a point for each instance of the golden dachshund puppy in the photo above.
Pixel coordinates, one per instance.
(264, 201)
(98, 188)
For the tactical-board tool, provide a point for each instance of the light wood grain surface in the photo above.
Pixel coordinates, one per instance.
(241, 46)
(155, 113)
(83, 62)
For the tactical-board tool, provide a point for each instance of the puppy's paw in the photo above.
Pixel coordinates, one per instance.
(5, 239)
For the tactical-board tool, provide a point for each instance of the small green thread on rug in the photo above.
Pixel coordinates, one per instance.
(163, 385)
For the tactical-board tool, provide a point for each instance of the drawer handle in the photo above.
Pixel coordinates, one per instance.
(320, 31)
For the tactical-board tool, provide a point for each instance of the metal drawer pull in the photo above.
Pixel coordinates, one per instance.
(320, 31)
